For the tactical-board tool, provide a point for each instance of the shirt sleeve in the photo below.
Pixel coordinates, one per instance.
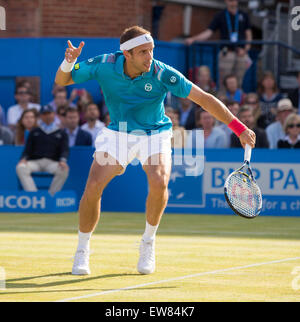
(86, 70)
(247, 22)
(215, 23)
(27, 152)
(64, 147)
(174, 81)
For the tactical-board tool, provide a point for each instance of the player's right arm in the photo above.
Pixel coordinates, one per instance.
(71, 54)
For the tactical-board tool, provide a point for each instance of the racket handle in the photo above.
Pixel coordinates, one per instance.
(247, 154)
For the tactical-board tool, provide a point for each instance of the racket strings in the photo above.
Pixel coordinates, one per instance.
(244, 194)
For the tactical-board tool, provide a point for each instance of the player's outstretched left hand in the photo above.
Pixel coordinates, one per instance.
(72, 52)
(248, 137)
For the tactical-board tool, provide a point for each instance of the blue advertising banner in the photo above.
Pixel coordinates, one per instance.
(278, 181)
(196, 184)
(41, 201)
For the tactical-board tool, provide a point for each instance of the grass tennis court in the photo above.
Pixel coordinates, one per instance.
(199, 258)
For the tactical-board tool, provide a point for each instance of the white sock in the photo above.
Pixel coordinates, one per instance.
(150, 232)
(84, 240)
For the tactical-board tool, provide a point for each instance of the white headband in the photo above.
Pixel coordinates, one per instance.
(137, 41)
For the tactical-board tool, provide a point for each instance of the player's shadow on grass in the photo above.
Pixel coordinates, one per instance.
(10, 283)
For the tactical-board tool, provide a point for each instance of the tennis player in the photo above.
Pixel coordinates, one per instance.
(134, 86)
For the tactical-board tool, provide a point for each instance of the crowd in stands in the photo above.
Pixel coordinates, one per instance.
(271, 114)
(266, 112)
(47, 132)
(77, 115)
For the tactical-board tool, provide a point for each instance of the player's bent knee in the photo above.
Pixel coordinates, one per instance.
(159, 183)
(94, 186)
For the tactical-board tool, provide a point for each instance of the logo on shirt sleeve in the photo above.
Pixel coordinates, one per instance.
(76, 66)
(173, 79)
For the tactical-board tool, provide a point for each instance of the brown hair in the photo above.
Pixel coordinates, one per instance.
(20, 129)
(70, 109)
(267, 74)
(132, 32)
(245, 108)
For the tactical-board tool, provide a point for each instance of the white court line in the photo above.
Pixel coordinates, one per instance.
(177, 279)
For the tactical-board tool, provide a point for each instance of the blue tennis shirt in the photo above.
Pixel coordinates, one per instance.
(138, 101)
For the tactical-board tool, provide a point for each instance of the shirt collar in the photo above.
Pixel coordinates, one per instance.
(48, 128)
(74, 133)
(120, 68)
(287, 138)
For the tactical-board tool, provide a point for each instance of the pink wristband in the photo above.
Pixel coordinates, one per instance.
(237, 127)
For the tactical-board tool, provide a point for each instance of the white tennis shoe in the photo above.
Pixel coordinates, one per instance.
(146, 263)
(81, 263)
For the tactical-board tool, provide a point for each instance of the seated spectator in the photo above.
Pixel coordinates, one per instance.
(26, 83)
(93, 125)
(60, 99)
(204, 80)
(231, 89)
(179, 134)
(214, 137)
(2, 116)
(294, 95)
(269, 96)
(292, 130)
(14, 113)
(76, 135)
(246, 116)
(61, 116)
(6, 136)
(187, 113)
(84, 98)
(234, 107)
(46, 150)
(252, 100)
(26, 123)
(275, 130)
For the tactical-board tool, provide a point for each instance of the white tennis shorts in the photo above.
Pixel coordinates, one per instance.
(125, 147)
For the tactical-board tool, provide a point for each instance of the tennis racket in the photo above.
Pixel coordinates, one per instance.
(241, 191)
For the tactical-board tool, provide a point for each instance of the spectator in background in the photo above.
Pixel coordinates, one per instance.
(204, 80)
(252, 100)
(93, 125)
(179, 134)
(234, 109)
(292, 130)
(60, 97)
(294, 96)
(187, 113)
(14, 112)
(269, 96)
(46, 150)
(76, 135)
(61, 116)
(84, 98)
(246, 116)
(234, 25)
(26, 123)
(232, 91)
(275, 130)
(26, 83)
(6, 136)
(214, 137)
